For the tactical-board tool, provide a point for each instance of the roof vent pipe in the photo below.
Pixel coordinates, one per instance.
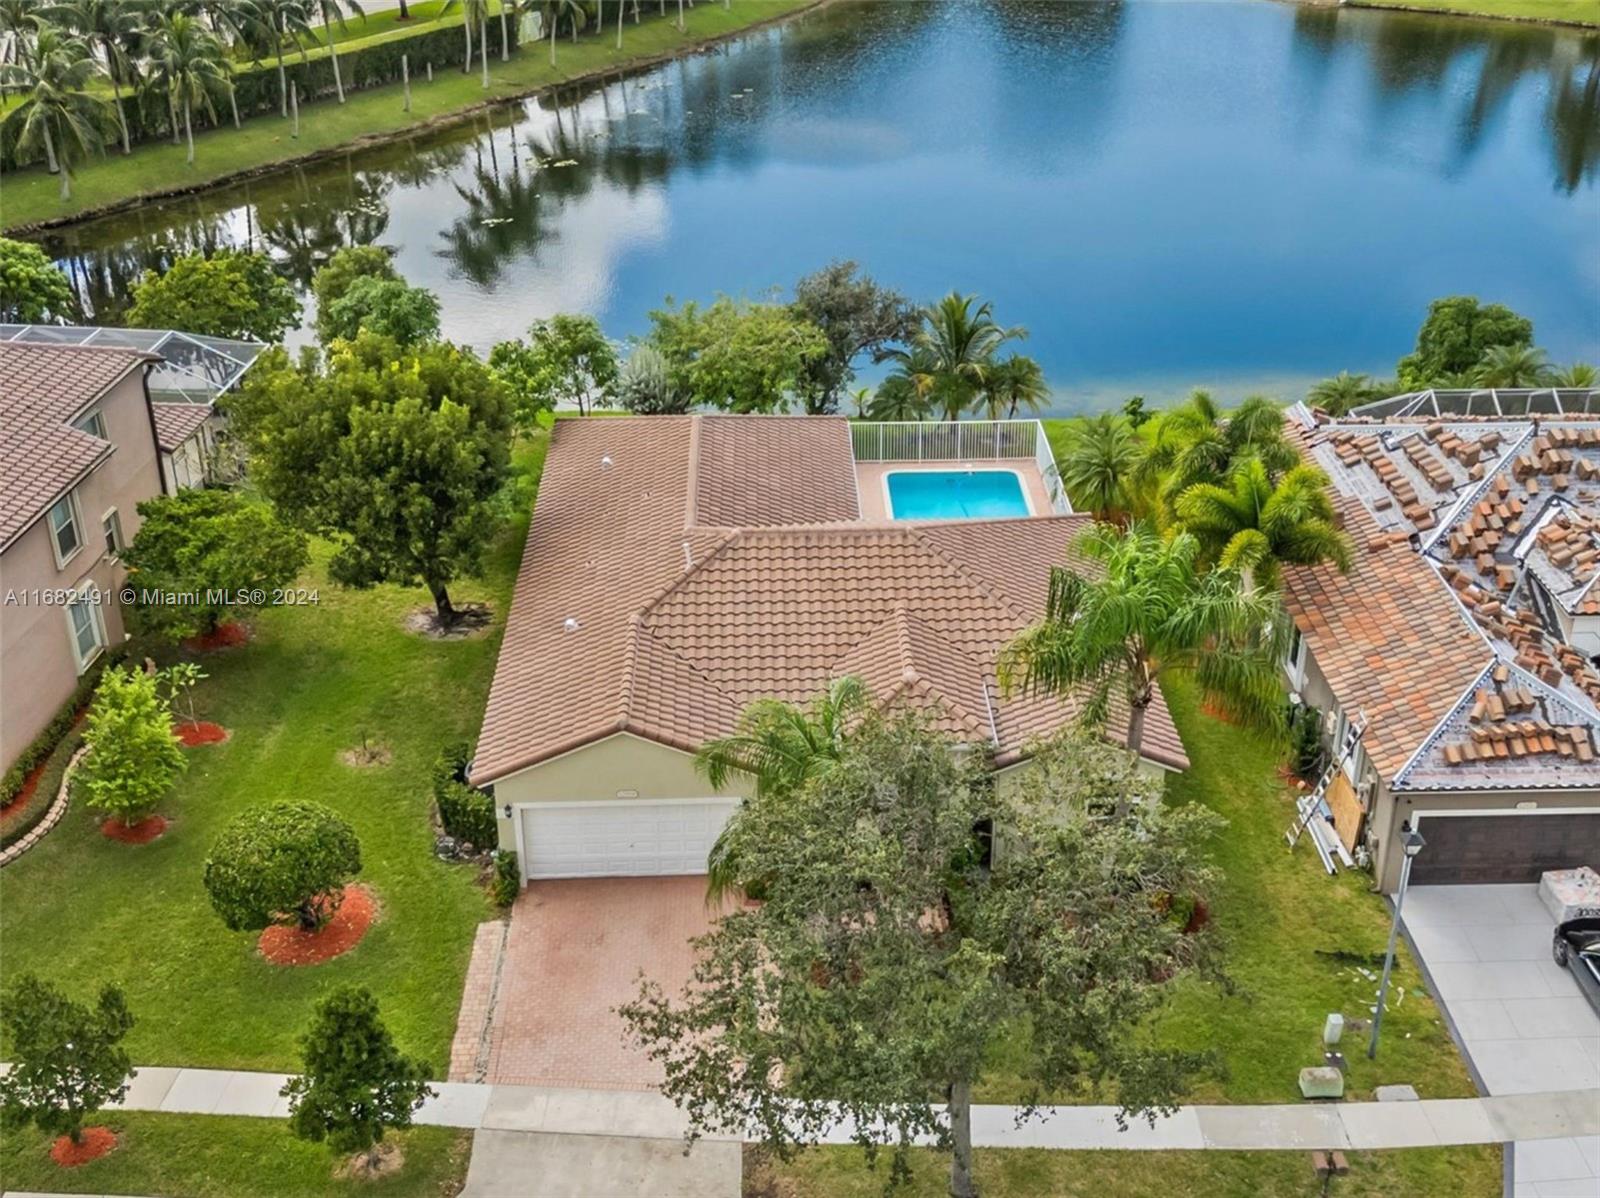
(606, 463)
(571, 624)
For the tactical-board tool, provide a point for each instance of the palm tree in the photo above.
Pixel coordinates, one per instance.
(1197, 442)
(898, 398)
(1252, 525)
(1153, 611)
(113, 27)
(188, 63)
(279, 22)
(953, 350)
(1579, 374)
(575, 14)
(779, 747)
(1343, 391)
(57, 115)
(1099, 468)
(1513, 366)
(331, 11)
(1012, 383)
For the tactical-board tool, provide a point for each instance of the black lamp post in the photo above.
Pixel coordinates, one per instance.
(1411, 842)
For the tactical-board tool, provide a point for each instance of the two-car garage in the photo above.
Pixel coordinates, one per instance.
(618, 838)
(1504, 847)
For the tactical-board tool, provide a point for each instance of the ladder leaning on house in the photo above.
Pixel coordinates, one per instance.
(1310, 807)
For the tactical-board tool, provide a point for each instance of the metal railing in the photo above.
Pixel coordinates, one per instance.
(961, 441)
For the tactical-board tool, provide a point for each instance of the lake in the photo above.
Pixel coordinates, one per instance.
(1246, 196)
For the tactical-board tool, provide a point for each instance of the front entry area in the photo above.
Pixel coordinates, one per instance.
(662, 837)
(1514, 847)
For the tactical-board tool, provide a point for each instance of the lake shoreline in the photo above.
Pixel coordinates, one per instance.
(1420, 10)
(433, 124)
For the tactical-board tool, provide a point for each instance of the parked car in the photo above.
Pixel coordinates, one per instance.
(1577, 947)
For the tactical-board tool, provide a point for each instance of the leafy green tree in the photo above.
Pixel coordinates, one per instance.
(1013, 382)
(1457, 333)
(356, 1084)
(284, 863)
(217, 545)
(1579, 374)
(953, 350)
(858, 316)
(738, 356)
(231, 293)
(133, 756)
(1151, 609)
(396, 453)
(1253, 525)
(341, 272)
(1514, 366)
(1100, 465)
(32, 290)
(1342, 392)
(387, 307)
(58, 115)
(67, 1061)
(116, 29)
(566, 360)
(189, 65)
(896, 956)
(644, 385)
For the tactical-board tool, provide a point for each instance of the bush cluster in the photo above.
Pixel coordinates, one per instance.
(465, 812)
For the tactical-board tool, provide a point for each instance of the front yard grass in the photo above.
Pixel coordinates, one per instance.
(214, 1156)
(81, 910)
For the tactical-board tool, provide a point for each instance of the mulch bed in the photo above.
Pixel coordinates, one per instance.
(292, 946)
(228, 635)
(29, 785)
(200, 732)
(94, 1142)
(143, 832)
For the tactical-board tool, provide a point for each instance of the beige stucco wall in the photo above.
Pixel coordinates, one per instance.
(37, 668)
(623, 768)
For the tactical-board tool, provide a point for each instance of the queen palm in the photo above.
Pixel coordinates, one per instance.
(188, 63)
(113, 27)
(1012, 383)
(1513, 366)
(1579, 374)
(777, 746)
(953, 350)
(1152, 611)
(1343, 391)
(1252, 525)
(1100, 465)
(57, 116)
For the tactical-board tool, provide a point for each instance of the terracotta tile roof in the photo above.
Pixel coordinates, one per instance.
(630, 617)
(177, 422)
(41, 388)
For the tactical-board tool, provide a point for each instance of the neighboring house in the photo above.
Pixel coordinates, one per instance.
(92, 423)
(1463, 630)
(679, 568)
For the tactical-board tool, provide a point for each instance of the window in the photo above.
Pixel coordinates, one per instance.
(1295, 664)
(112, 523)
(88, 633)
(64, 528)
(94, 424)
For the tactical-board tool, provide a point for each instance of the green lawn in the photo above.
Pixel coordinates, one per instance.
(80, 909)
(1033, 1173)
(1584, 11)
(31, 195)
(212, 1156)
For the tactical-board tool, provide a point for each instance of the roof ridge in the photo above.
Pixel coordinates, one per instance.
(641, 635)
(692, 486)
(965, 572)
(730, 536)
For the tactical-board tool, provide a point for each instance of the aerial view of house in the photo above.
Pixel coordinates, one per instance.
(800, 599)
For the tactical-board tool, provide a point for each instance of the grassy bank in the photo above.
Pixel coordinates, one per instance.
(211, 1156)
(1580, 12)
(30, 197)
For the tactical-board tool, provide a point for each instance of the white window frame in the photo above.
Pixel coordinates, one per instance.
(111, 527)
(76, 516)
(96, 623)
(92, 422)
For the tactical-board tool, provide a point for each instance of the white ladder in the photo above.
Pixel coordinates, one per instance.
(1310, 806)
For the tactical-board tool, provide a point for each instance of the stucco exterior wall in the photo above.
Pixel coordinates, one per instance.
(38, 670)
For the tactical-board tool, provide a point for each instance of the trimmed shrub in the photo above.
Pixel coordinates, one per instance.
(282, 864)
(466, 812)
(507, 881)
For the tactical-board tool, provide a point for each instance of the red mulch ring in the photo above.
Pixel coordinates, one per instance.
(94, 1142)
(200, 732)
(229, 635)
(291, 946)
(142, 832)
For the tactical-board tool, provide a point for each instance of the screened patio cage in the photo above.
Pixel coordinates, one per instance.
(193, 368)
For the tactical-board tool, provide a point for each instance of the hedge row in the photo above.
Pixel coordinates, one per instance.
(255, 87)
(44, 744)
(466, 812)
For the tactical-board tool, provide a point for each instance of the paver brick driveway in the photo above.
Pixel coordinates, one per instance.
(574, 953)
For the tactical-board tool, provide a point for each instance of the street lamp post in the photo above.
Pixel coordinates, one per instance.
(1411, 841)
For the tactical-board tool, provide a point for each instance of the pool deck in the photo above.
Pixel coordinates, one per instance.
(875, 498)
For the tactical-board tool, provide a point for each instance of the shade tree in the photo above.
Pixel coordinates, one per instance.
(131, 756)
(284, 863)
(228, 293)
(66, 1059)
(737, 355)
(1457, 332)
(32, 289)
(859, 317)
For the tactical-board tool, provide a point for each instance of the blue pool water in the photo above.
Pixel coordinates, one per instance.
(955, 494)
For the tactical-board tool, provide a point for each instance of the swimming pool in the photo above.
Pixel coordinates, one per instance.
(955, 494)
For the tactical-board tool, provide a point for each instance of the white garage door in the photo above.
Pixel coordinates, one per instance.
(597, 840)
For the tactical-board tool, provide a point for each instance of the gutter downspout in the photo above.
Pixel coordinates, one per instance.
(155, 438)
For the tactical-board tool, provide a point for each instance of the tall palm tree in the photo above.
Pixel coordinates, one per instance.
(778, 746)
(1252, 525)
(1343, 391)
(113, 27)
(331, 11)
(1100, 465)
(279, 23)
(1513, 366)
(953, 349)
(1579, 374)
(575, 13)
(188, 63)
(1153, 611)
(1197, 442)
(57, 116)
(1014, 382)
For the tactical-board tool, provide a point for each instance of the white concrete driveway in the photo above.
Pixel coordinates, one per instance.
(1525, 1024)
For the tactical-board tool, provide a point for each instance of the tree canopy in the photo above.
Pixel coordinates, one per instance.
(340, 272)
(231, 293)
(133, 756)
(32, 290)
(735, 355)
(286, 863)
(67, 1060)
(1456, 334)
(386, 307)
(894, 950)
(858, 316)
(566, 360)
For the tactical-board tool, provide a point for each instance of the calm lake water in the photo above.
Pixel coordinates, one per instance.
(1241, 195)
